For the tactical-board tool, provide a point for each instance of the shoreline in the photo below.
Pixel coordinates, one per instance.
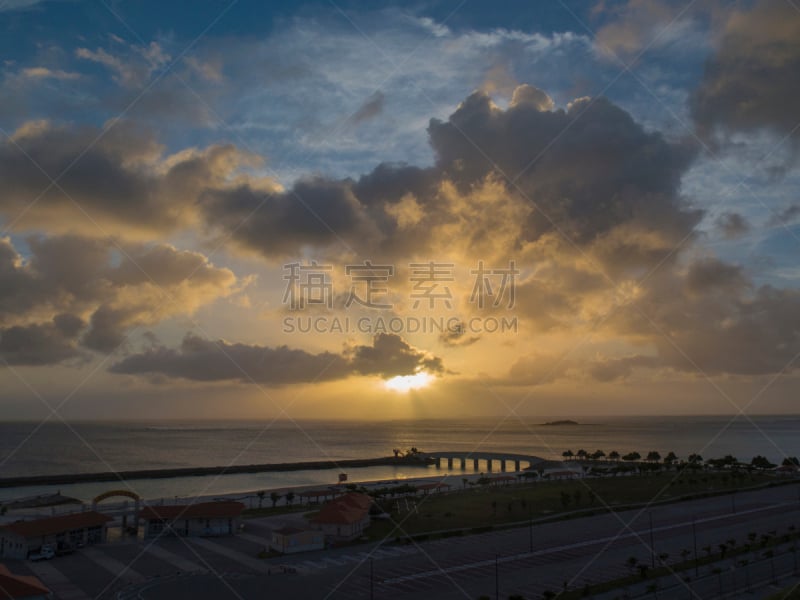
(73, 478)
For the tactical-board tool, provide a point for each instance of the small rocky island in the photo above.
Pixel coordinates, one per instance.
(561, 422)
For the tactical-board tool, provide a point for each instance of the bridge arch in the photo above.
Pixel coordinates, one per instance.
(112, 493)
(126, 494)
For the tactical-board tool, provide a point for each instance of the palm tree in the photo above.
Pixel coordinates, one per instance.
(261, 495)
(632, 562)
(274, 496)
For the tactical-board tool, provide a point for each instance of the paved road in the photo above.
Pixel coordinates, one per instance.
(574, 552)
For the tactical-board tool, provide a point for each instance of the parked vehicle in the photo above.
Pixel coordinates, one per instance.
(64, 549)
(46, 552)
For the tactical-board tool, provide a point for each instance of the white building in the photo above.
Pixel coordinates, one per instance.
(288, 540)
(202, 519)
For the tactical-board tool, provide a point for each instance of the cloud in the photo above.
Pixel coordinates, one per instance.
(200, 359)
(117, 179)
(105, 289)
(41, 344)
(10, 5)
(45, 73)
(787, 215)
(750, 81)
(732, 225)
(132, 71)
(637, 25)
(370, 109)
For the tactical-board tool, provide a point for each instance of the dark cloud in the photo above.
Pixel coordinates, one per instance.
(787, 215)
(612, 369)
(391, 355)
(588, 170)
(457, 336)
(200, 359)
(111, 287)
(315, 213)
(750, 82)
(712, 274)
(114, 180)
(717, 324)
(370, 109)
(41, 344)
(732, 225)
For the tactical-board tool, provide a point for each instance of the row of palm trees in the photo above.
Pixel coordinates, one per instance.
(652, 456)
(275, 497)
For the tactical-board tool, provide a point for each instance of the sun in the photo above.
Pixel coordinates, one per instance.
(405, 383)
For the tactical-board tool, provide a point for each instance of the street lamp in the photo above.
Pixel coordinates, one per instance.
(694, 537)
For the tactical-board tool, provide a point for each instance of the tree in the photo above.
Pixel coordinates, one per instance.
(653, 456)
(397, 452)
(274, 496)
(582, 453)
(761, 462)
(598, 454)
(261, 495)
(613, 455)
(289, 498)
(567, 454)
(631, 456)
(791, 461)
(670, 458)
(632, 562)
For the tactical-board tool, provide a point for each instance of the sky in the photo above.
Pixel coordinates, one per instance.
(386, 210)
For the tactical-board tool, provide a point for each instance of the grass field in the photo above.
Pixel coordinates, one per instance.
(488, 506)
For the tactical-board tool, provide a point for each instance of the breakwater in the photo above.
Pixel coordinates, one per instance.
(66, 479)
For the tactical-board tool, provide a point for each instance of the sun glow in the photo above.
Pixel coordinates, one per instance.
(405, 383)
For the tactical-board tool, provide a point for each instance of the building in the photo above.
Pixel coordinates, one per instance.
(192, 520)
(288, 540)
(437, 487)
(21, 587)
(345, 517)
(19, 539)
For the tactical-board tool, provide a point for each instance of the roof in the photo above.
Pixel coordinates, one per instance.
(318, 493)
(198, 510)
(432, 486)
(347, 509)
(563, 473)
(287, 530)
(19, 586)
(59, 524)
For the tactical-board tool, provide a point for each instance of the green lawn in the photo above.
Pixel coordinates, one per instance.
(480, 507)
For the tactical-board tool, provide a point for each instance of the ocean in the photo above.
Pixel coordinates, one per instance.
(55, 448)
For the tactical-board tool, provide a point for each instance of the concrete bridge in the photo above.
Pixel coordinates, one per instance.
(503, 458)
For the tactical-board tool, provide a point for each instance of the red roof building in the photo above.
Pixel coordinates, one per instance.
(198, 519)
(19, 539)
(344, 517)
(21, 587)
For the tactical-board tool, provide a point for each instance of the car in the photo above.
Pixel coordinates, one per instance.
(46, 552)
